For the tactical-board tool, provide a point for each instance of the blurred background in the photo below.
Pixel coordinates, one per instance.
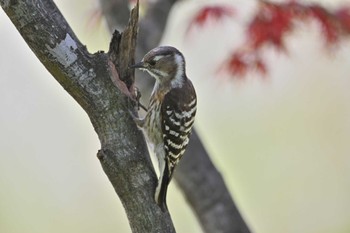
(281, 141)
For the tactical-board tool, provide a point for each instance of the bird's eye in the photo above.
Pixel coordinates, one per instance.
(152, 62)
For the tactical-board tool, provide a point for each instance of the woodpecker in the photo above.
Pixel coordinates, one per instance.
(170, 114)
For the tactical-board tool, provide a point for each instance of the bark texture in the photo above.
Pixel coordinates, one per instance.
(102, 84)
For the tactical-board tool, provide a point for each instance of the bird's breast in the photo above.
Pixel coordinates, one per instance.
(152, 127)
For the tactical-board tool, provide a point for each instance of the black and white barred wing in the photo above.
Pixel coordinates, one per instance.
(178, 111)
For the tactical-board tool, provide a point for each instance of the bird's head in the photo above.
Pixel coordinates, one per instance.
(166, 64)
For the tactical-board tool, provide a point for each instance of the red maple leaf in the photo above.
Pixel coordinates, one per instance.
(270, 24)
(236, 65)
(210, 12)
(260, 66)
(343, 15)
(240, 63)
(327, 23)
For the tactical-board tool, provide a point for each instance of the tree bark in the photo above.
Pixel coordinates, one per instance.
(201, 183)
(103, 86)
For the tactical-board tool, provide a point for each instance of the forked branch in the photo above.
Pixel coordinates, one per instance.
(90, 80)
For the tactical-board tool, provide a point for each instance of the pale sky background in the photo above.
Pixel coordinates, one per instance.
(282, 143)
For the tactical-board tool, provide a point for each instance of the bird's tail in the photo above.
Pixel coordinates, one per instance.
(162, 188)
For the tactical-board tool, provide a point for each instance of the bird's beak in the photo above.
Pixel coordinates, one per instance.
(137, 65)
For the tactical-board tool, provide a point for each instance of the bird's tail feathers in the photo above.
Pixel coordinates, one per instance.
(162, 188)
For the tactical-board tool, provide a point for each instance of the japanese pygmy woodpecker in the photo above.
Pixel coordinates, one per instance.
(171, 112)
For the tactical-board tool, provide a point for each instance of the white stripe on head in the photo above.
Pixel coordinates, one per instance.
(178, 80)
(157, 58)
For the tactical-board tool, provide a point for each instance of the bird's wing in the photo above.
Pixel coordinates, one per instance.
(178, 111)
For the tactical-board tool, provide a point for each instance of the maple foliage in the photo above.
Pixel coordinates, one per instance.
(207, 13)
(269, 27)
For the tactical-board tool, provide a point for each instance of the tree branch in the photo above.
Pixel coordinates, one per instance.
(205, 190)
(89, 79)
(196, 175)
